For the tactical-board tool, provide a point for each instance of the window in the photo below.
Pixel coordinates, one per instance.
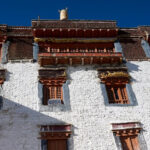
(56, 144)
(52, 81)
(52, 93)
(54, 137)
(128, 135)
(117, 94)
(115, 82)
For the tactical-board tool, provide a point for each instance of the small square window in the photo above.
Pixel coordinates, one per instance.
(52, 93)
(52, 81)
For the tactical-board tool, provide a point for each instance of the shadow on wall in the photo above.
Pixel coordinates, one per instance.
(142, 141)
(132, 67)
(8, 74)
(20, 127)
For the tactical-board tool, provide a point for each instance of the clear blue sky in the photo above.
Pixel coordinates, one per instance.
(128, 13)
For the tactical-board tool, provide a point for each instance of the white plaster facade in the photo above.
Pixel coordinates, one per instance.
(90, 117)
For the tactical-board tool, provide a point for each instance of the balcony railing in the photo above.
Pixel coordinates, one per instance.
(76, 56)
(77, 50)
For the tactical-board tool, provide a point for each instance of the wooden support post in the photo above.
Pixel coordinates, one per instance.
(113, 50)
(48, 49)
(70, 60)
(56, 61)
(112, 60)
(91, 61)
(82, 59)
(120, 60)
(101, 60)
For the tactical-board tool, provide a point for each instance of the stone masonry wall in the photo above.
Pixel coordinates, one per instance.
(90, 117)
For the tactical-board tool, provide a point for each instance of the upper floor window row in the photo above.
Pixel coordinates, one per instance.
(115, 84)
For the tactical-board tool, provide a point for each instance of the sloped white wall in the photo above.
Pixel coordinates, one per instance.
(87, 112)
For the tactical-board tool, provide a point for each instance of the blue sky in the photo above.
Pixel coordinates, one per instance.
(127, 13)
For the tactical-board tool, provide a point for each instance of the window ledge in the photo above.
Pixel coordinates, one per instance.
(120, 105)
(52, 107)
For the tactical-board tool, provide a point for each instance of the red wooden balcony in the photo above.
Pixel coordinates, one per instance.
(78, 56)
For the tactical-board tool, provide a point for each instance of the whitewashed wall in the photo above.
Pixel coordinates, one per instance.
(90, 117)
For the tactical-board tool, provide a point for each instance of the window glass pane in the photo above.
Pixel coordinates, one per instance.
(58, 92)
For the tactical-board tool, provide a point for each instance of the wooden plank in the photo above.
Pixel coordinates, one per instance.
(45, 95)
(57, 144)
(126, 144)
(135, 143)
(52, 145)
(62, 145)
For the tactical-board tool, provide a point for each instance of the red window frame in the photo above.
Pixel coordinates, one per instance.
(52, 92)
(54, 137)
(128, 134)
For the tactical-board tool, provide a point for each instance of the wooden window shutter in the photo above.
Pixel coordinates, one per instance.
(122, 91)
(128, 134)
(59, 92)
(46, 95)
(110, 94)
(126, 144)
(135, 142)
(52, 92)
(55, 92)
(129, 142)
(57, 144)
